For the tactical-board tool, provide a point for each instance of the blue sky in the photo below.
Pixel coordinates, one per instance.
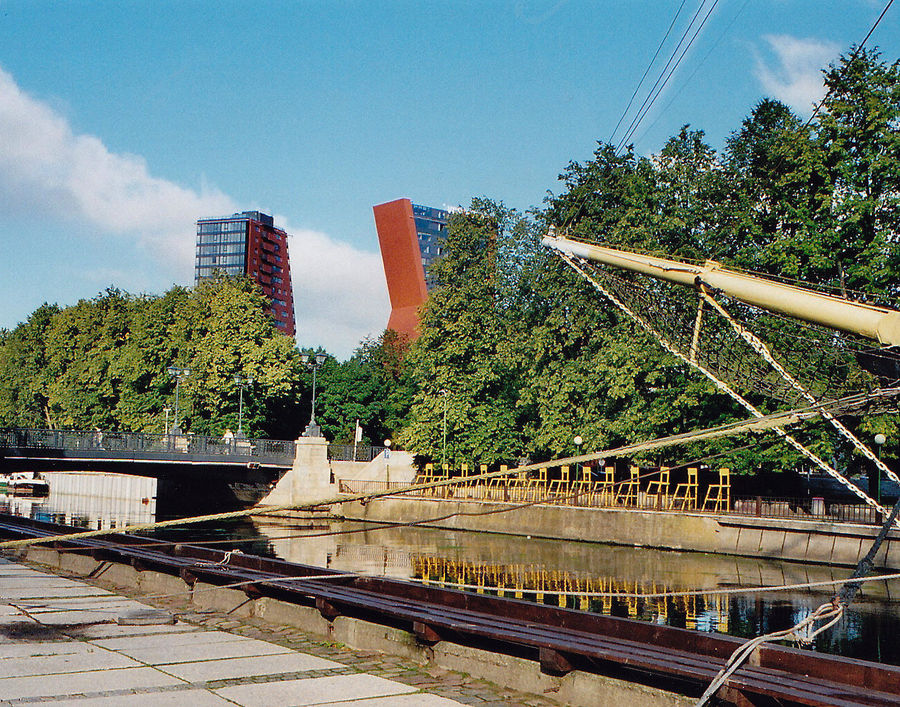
(121, 123)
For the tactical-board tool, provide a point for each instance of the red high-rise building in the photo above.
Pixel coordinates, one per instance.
(411, 237)
(249, 244)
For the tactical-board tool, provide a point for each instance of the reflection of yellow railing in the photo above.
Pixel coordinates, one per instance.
(574, 589)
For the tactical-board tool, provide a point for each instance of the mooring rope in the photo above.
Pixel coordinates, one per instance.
(830, 613)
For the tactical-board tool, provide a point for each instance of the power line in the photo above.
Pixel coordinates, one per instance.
(665, 68)
(853, 56)
(697, 68)
(579, 205)
(647, 71)
(655, 92)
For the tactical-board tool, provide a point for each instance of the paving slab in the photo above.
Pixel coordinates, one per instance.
(313, 691)
(174, 698)
(184, 638)
(13, 569)
(229, 668)
(115, 631)
(419, 699)
(48, 605)
(19, 649)
(59, 618)
(29, 590)
(190, 653)
(85, 683)
(83, 659)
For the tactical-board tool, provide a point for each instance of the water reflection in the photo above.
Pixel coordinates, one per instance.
(551, 572)
(89, 500)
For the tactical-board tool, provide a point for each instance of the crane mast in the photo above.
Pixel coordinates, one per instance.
(878, 323)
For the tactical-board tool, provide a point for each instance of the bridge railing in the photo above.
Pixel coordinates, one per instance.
(133, 443)
(351, 453)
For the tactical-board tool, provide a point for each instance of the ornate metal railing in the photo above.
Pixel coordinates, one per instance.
(349, 453)
(133, 444)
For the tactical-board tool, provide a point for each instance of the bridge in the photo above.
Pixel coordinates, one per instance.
(236, 472)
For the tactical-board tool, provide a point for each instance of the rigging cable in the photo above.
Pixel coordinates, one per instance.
(722, 386)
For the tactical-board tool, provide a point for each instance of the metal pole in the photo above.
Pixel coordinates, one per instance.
(444, 430)
(879, 440)
(312, 429)
(178, 373)
(177, 386)
(240, 409)
(578, 442)
(312, 415)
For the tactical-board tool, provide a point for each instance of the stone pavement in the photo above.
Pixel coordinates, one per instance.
(68, 642)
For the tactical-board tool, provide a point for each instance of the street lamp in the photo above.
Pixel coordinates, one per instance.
(178, 373)
(387, 460)
(444, 394)
(241, 383)
(313, 363)
(879, 440)
(577, 440)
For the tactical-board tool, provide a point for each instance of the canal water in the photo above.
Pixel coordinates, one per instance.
(553, 572)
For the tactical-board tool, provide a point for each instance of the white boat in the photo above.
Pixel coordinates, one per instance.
(25, 483)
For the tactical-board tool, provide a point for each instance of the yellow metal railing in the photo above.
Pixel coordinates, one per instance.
(643, 490)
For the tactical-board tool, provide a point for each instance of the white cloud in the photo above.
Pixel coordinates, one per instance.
(794, 73)
(340, 295)
(48, 170)
(50, 173)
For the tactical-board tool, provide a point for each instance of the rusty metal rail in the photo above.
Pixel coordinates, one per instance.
(561, 639)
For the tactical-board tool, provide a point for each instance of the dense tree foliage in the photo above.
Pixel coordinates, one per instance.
(370, 389)
(530, 355)
(103, 363)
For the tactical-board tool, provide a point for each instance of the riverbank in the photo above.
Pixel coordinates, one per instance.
(811, 541)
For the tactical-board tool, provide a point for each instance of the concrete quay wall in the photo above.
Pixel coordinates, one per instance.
(576, 688)
(779, 538)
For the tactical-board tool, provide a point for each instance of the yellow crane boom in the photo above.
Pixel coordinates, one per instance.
(879, 323)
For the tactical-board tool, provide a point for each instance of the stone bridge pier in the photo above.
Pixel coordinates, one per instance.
(314, 477)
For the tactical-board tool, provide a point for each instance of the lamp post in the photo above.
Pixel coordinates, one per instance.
(178, 373)
(444, 394)
(313, 363)
(242, 383)
(387, 461)
(879, 440)
(577, 440)
(166, 410)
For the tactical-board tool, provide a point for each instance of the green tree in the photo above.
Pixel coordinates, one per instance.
(372, 387)
(103, 363)
(464, 347)
(226, 332)
(23, 372)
